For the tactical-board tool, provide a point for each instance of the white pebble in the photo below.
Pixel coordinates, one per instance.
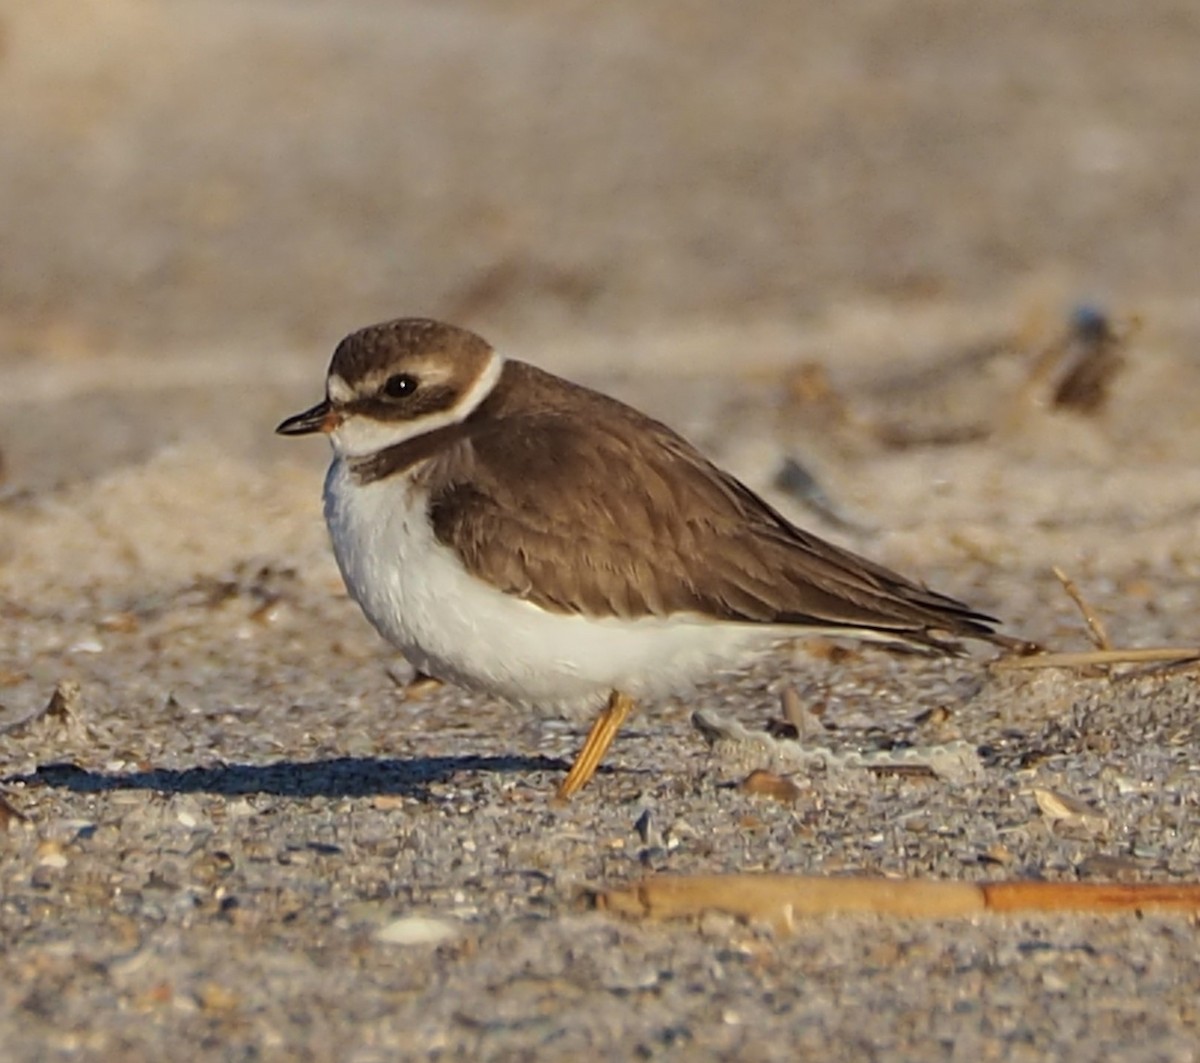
(417, 930)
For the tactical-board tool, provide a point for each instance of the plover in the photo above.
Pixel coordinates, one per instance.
(515, 533)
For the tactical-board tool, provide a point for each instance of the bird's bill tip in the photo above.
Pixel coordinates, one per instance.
(320, 418)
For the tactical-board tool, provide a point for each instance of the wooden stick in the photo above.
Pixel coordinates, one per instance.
(1091, 896)
(1087, 658)
(779, 899)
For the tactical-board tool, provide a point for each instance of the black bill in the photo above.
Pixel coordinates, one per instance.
(318, 419)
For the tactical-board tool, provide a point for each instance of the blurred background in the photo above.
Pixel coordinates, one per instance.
(207, 194)
(175, 172)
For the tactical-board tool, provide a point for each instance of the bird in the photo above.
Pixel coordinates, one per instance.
(515, 533)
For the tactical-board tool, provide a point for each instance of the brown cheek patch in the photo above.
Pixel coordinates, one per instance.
(437, 398)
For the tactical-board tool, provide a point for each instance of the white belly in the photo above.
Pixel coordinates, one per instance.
(452, 625)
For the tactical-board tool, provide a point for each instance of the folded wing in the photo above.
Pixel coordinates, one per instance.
(627, 519)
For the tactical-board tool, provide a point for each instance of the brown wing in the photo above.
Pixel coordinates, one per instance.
(604, 520)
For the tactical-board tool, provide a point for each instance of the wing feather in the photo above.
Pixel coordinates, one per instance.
(627, 519)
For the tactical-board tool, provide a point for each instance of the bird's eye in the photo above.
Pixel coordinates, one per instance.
(400, 385)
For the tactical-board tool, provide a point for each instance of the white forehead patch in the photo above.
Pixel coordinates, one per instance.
(337, 389)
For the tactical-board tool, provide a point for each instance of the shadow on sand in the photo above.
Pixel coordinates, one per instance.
(341, 777)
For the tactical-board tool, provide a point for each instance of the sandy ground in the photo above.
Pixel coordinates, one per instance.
(242, 842)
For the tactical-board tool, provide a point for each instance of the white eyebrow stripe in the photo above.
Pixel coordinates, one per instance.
(436, 373)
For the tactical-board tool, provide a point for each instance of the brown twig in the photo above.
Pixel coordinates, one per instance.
(1105, 653)
(1091, 658)
(1095, 626)
(793, 711)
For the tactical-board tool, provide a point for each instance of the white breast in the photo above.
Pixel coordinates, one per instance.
(452, 625)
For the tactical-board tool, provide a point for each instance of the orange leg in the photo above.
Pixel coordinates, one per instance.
(599, 738)
(420, 685)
